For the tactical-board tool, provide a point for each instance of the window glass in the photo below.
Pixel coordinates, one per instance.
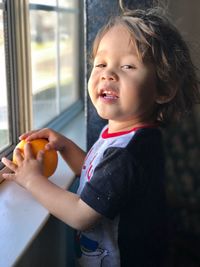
(44, 2)
(4, 124)
(67, 3)
(54, 53)
(43, 54)
(68, 60)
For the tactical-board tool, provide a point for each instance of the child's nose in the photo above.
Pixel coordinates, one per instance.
(109, 75)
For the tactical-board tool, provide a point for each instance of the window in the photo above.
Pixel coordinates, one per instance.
(40, 66)
(9, 130)
(54, 54)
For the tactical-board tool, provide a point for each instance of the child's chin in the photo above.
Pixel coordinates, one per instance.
(106, 114)
(103, 115)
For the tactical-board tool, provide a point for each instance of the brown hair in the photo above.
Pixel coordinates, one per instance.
(157, 40)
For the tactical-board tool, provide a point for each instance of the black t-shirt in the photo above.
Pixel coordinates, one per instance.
(123, 179)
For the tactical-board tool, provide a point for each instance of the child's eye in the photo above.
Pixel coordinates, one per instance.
(101, 65)
(127, 67)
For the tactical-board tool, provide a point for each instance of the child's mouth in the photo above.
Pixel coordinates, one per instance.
(108, 94)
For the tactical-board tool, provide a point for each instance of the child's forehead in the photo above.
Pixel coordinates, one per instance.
(117, 38)
(118, 32)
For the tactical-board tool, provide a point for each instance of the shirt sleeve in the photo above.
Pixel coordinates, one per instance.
(108, 188)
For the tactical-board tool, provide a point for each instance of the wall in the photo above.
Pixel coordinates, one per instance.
(50, 248)
(183, 152)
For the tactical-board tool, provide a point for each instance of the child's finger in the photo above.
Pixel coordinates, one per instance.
(40, 156)
(8, 176)
(44, 133)
(50, 145)
(18, 156)
(25, 135)
(8, 163)
(28, 153)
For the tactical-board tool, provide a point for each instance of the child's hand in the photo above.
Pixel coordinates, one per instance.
(27, 169)
(56, 140)
(73, 155)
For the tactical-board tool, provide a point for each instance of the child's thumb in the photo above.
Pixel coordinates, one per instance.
(51, 145)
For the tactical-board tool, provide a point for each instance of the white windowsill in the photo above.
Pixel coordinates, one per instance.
(21, 216)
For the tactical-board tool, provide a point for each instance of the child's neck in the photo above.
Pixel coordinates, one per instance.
(121, 126)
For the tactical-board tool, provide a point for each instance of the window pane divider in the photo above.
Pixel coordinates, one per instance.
(18, 12)
(58, 61)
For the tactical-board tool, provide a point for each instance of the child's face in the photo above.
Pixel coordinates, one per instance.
(121, 87)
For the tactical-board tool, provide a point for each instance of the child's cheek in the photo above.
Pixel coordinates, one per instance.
(91, 89)
(92, 82)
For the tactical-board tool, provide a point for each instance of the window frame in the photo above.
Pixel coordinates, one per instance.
(18, 82)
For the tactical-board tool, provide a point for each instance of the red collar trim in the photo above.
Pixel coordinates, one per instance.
(105, 134)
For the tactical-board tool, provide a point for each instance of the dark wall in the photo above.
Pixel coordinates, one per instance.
(97, 13)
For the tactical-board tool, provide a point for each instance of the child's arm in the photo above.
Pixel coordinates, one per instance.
(71, 153)
(65, 205)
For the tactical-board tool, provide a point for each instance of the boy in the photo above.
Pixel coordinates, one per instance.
(142, 77)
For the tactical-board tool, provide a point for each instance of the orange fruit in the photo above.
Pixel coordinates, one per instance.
(50, 156)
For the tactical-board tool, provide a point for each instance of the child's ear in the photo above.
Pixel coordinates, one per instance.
(162, 99)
